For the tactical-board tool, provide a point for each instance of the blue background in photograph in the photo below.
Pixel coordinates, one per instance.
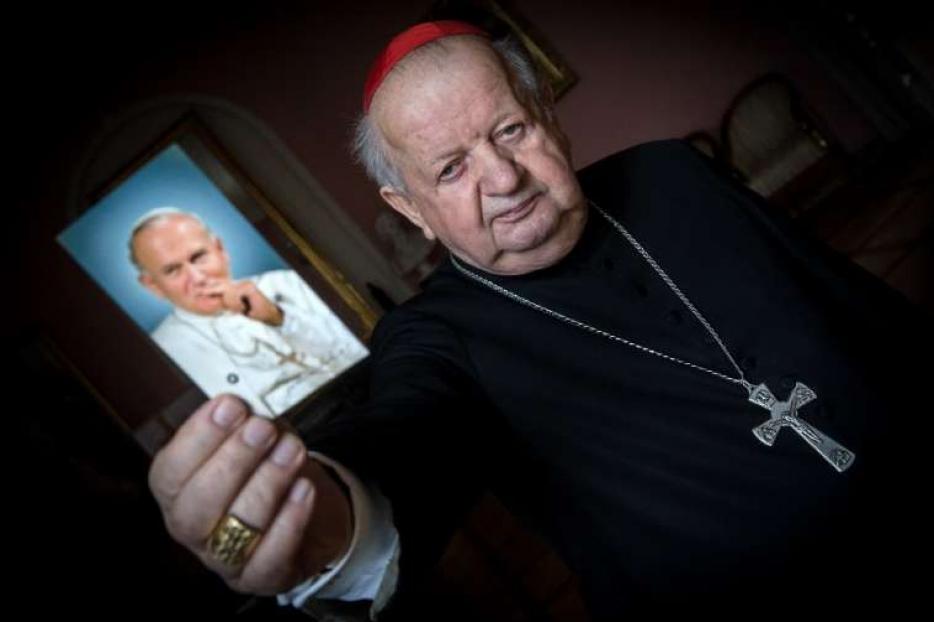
(98, 240)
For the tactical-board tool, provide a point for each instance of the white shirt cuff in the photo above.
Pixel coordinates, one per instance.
(369, 569)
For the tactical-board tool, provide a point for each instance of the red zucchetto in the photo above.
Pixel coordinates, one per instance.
(405, 42)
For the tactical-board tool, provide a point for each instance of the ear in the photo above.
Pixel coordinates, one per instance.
(405, 206)
(147, 281)
(220, 248)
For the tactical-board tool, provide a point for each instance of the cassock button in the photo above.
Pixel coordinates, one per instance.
(674, 317)
(747, 363)
(233, 378)
(608, 264)
(640, 288)
(787, 382)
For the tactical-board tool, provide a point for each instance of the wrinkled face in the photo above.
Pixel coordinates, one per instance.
(182, 263)
(483, 176)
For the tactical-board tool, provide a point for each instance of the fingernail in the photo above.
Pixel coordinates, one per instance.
(258, 432)
(227, 413)
(286, 451)
(299, 490)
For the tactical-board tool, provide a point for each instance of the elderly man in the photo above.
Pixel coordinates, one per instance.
(268, 339)
(701, 411)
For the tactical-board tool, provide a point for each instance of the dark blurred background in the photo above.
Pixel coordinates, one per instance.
(826, 108)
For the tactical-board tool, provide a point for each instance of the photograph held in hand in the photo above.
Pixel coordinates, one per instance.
(201, 281)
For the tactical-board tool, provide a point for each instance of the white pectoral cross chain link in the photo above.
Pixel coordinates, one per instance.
(785, 414)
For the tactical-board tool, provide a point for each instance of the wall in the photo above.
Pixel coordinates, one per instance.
(646, 71)
(660, 69)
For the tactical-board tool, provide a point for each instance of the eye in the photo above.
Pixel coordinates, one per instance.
(513, 130)
(451, 171)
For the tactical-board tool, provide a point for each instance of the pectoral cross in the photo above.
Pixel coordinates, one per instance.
(785, 414)
(292, 357)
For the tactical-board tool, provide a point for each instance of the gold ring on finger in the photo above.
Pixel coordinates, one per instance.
(232, 541)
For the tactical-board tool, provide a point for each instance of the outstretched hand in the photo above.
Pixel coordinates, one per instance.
(222, 462)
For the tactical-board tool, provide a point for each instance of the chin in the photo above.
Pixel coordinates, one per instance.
(529, 233)
(209, 309)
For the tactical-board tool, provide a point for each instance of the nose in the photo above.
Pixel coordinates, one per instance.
(502, 175)
(196, 274)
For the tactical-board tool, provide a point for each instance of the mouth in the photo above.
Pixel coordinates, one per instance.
(207, 301)
(519, 211)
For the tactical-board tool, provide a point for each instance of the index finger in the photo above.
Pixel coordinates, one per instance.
(194, 442)
(234, 296)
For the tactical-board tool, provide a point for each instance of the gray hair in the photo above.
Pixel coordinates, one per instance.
(155, 216)
(369, 147)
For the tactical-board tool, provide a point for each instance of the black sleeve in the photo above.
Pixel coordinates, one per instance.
(427, 438)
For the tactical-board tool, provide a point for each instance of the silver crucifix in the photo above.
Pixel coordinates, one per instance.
(786, 414)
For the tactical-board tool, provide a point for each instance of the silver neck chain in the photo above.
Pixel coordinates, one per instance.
(741, 380)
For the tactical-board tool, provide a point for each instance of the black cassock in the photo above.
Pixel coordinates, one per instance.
(643, 473)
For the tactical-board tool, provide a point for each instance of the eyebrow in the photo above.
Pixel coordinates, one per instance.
(452, 152)
(445, 156)
(169, 267)
(177, 264)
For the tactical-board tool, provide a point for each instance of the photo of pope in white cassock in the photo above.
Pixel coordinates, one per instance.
(267, 338)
